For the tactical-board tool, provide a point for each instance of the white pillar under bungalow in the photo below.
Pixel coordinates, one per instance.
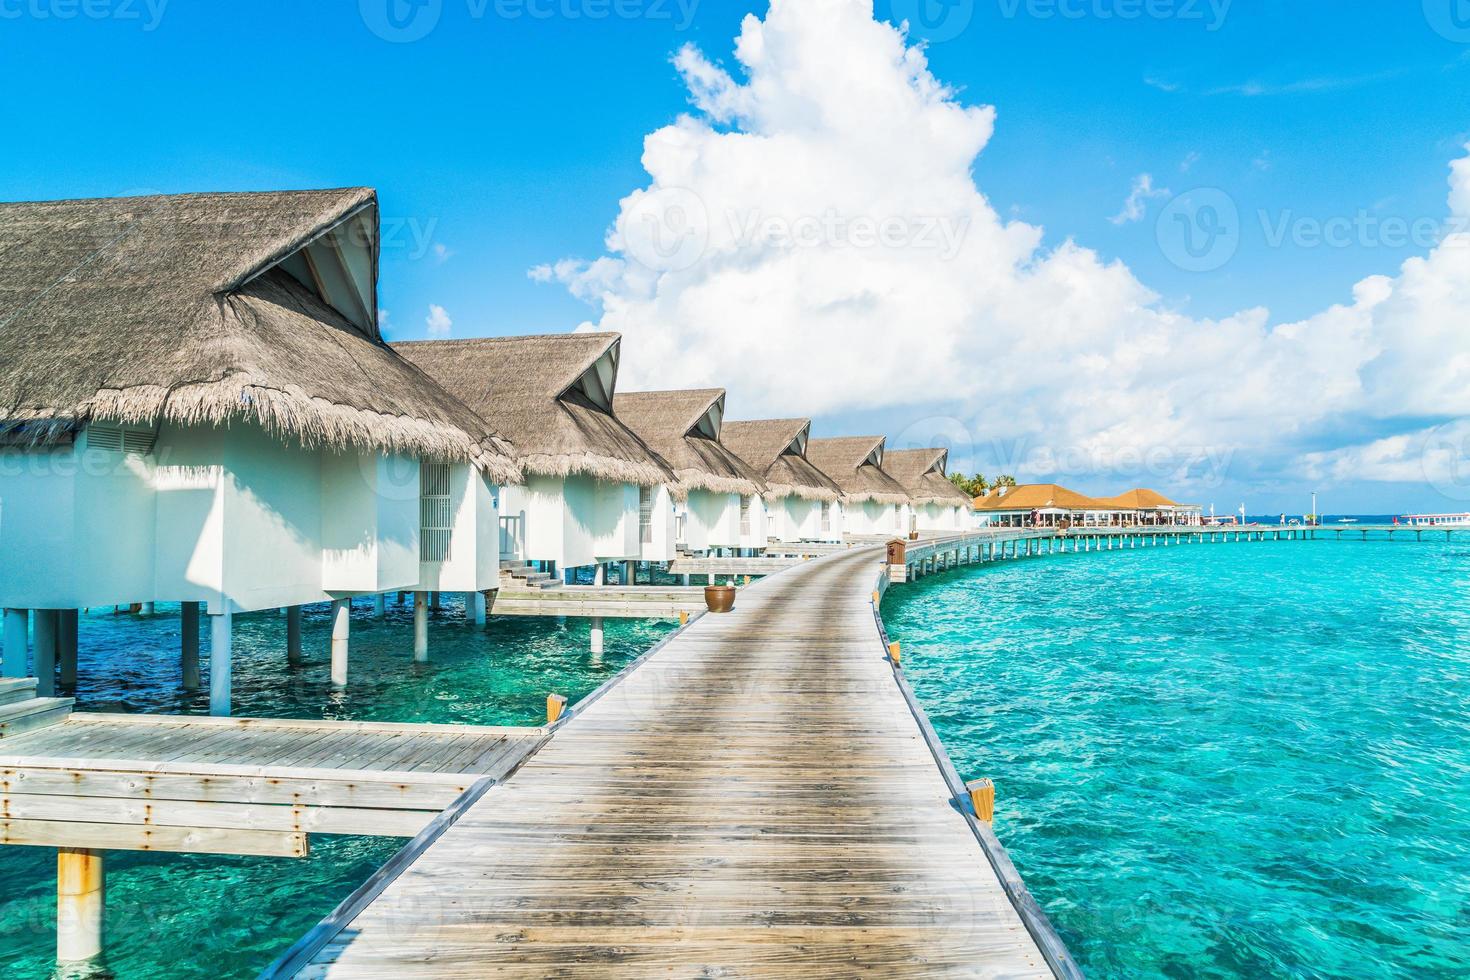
(593, 491)
(202, 411)
(873, 502)
(938, 506)
(717, 495)
(801, 502)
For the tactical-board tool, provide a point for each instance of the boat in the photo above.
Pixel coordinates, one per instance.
(1435, 520)
(1347, 520)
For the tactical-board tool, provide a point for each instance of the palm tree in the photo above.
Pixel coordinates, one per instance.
(1005, 481)
(972, 485)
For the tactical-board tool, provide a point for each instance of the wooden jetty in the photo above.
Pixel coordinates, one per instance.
(759, 797)
(238, 785)
(599, 601)
(688, 565)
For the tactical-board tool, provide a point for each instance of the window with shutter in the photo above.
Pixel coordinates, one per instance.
(435, 522)
(645, 514)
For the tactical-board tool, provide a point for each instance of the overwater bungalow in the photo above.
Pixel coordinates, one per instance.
(1144, 506)
(717, 495)
(802, 502)
(593, 492)
(196, 407)
(873, 502)
(938, 505)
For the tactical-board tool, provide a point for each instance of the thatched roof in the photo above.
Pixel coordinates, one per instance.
(192, 309)
(1139, 499)
(1036, 496)
(683, 427)
(776, 449)
(922, 473)
(550, 395)
(847, 460)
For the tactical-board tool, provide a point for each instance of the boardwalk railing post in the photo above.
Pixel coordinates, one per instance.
(895, 652)
(555, 705)
(982, 797)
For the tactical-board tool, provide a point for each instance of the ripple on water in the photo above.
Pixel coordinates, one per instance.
(1223, 761)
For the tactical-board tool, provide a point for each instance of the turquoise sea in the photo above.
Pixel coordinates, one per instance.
(1223, 760)
(186, 916)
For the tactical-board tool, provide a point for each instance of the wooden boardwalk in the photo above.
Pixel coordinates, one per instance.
(756, 799)
(238, 785)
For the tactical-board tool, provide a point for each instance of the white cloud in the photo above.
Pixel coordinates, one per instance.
(1190, 159)
(1136, 205)
(438, 321)
(1058, 355)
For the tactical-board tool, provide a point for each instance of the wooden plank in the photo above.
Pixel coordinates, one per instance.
(212, 721)
(217, 815)
(116, 837)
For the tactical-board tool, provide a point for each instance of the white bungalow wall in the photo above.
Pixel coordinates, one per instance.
(473, 564)
(222, 516)
(575, 521)
(711, 520)
(793, 519)
(660, 545)
(938, 517)
(871, 518)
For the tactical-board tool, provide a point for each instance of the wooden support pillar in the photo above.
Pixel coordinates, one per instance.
(479, 609)
(597, 634)
(221, 628)
(380, 606)
(189, 646)
(599, 574)
(79, 911)
(17, 626)
(421, 627)
(45, 653)
(630, 572)
(341, 634)
(293, 636)
(67, 651)
(686, 579)
(434, 601)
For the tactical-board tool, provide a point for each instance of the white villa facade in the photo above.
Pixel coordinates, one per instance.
(593, 491)
(717, 496)
(937, 505)
(229, 432)
(873, 503)
(801, 502)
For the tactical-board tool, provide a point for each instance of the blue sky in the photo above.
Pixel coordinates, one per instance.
(508, 134)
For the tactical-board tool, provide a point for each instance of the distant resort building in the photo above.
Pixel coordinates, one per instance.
(937, 504)
(717, 495)
(203, 412)
(593, 490)
(1051, 505)
(873, 502)
(802, 502)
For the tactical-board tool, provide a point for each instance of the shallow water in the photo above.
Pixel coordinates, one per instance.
(180, 916)
(1231, 760)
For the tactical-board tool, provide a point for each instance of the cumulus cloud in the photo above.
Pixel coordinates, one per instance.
(1136, 205)
(438, 321)
(811, 237)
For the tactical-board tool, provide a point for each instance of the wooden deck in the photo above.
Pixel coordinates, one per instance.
(238, 785)
(686, 565)
(757, 798)
(608, 601)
